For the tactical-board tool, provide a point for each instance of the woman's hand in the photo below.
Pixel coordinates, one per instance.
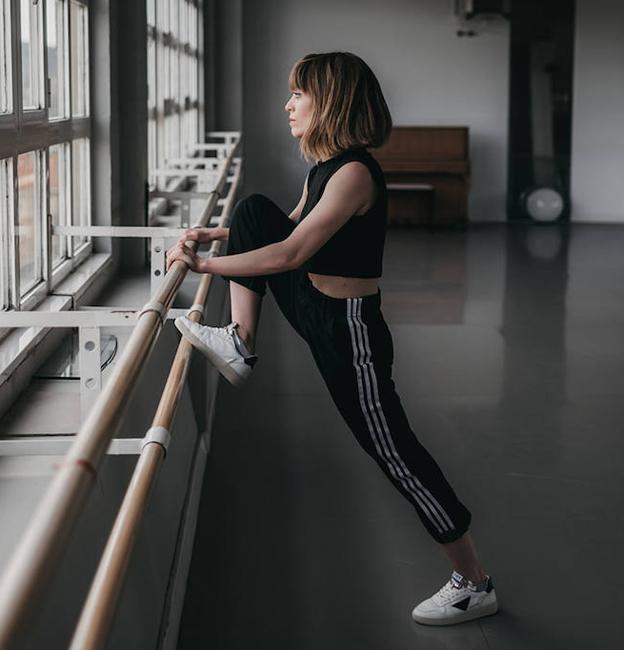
(202, 235)
(185, 254)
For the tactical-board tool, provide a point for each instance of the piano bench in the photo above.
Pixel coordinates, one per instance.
(405, 208)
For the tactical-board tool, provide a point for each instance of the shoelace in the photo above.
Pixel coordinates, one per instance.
(231, 328)
(447, 593)
(226, 331)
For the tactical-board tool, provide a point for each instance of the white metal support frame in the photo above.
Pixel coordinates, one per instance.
(90, 370)
(199, 177)
(157, 262)
(199, 163)
(206, 178)
(89, 323)
(229, 137)
(185, 198)
(156, 235)
(38, 445)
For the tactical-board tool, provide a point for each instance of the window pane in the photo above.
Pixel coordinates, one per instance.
(79, 59)
(57, 56)
(173, 62)
(151, 149)
(6, 219)
(32, 67)
(58, 200)
(81, 201)
(151, 12)
(151, 93)
(29, 221)
(6, 75)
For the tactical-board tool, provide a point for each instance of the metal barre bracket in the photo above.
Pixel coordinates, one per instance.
(82, 317)
(159, 435)
(156, 235)
(154, 305)
(89, 322)
(198, 307)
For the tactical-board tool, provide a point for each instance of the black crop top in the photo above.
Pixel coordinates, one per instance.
(356, 250)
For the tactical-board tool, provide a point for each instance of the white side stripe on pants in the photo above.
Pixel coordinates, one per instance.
(428, 496)
(376, 420)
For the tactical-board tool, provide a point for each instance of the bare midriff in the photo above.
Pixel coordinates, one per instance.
(337, 286)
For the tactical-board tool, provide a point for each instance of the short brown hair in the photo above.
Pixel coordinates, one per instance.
(349, 108)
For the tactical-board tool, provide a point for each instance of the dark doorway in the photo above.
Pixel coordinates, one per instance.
(540, 106)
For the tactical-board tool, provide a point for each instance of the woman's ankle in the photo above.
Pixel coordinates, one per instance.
(475, 576)
(247, 339)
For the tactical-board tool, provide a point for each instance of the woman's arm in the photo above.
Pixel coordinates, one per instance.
(346, 192)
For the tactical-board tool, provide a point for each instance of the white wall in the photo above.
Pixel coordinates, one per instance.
(598, 112)
(428, 74)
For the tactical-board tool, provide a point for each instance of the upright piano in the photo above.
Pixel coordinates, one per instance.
(427, 173)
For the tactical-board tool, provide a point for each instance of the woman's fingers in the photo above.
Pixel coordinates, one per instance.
(197, 234)
(182, 253)
(178, 256)
(190, 234)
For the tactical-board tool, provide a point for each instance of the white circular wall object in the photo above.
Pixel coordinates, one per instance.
(543, 204)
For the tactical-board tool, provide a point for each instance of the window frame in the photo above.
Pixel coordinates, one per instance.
(38, 291)
(31, 130)
(6, 232)
(7, 38)
(39, 113)
(64, 77)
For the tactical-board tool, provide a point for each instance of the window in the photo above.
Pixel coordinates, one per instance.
(44, 145)
(6, 72)
(79, 59)
(57, 58)
(59, 201)
(29, 226)
(81, 194)
(174, 68)
(31, 21)
(6, 230)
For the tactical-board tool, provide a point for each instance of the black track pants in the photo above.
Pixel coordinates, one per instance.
(353, 349)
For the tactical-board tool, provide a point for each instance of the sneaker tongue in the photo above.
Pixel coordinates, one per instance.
(458, 580)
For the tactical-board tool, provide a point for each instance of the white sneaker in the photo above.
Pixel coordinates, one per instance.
(456, 602)
(222, 345)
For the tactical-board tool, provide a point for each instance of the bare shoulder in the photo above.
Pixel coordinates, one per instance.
(355, 177)
(354, 171)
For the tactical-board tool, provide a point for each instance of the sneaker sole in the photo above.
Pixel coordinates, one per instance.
(224, 368)
(479, 612)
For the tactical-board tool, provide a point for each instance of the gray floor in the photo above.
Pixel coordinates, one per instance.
(509, 347)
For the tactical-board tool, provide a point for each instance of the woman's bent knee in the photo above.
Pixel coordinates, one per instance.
(254, 202)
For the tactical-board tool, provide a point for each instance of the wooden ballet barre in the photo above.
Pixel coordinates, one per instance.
(145, 232)
(28, 574)
(97, 615)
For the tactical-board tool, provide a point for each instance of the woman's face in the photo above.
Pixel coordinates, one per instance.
(299, 109)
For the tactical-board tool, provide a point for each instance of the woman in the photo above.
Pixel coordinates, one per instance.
(323, 263)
